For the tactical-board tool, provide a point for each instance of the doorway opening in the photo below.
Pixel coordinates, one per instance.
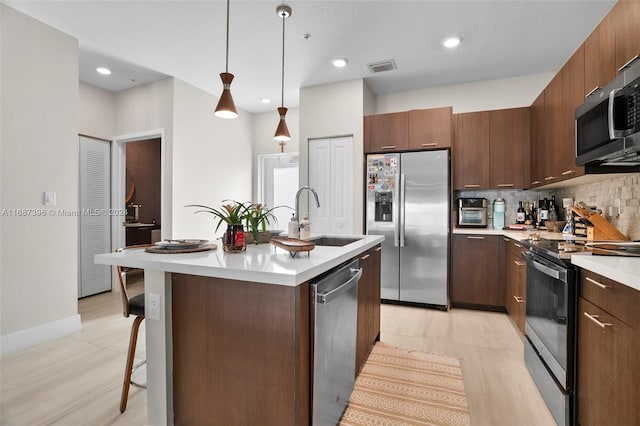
(140, 187)
(278, 183)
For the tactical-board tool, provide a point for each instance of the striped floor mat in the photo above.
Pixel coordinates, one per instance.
(401, 387)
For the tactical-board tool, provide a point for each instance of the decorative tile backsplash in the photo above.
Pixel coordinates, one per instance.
(601, 195)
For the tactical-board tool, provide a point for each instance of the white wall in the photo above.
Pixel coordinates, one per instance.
(212, 160)
(478, 96)
(334, 110)
(264, 126)
(97, 112)
(369, 106)
(143, 109)
(39, 146)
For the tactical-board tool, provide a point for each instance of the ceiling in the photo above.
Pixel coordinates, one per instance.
(143, 41)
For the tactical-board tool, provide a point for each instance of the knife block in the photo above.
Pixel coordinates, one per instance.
(601, 230)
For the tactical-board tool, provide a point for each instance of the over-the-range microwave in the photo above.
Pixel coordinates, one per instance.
(608, 125)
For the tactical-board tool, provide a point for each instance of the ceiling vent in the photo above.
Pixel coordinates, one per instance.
(381, 66)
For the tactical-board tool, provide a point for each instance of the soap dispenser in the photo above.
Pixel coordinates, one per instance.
(294, 230)
(305, 227)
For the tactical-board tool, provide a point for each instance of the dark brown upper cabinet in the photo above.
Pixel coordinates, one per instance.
(387, 132)
(430, 128)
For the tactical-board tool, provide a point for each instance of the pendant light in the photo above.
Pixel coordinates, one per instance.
(226, 107)
(282, 131)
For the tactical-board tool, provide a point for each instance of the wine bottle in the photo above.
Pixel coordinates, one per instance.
(544, 212)
(553, 213)
(520, 214)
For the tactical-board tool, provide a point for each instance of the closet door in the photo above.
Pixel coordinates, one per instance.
(331, 175)
(95, 228)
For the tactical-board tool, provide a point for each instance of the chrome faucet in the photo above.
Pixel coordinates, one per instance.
(315, 194)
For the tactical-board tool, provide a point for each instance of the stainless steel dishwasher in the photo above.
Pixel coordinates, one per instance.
(335, 309)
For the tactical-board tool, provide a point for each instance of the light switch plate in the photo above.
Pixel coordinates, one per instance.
(49, 198)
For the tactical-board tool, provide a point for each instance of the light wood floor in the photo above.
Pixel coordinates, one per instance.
(499, 389)
(76, 380)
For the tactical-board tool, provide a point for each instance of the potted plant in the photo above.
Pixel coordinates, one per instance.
(256, 218)
(231, 213)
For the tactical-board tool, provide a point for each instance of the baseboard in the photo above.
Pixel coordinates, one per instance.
(40, 334)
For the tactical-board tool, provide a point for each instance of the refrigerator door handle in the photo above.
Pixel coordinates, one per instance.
(401, 217)
(396, 211)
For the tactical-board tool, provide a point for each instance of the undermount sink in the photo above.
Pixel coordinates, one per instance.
(333, 241)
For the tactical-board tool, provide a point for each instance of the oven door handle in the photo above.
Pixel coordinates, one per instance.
(545, 269)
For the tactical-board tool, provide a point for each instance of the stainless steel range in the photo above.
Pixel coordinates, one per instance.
(550, 324)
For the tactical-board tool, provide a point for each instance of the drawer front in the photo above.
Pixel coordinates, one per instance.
(617, 299)
(516, 249)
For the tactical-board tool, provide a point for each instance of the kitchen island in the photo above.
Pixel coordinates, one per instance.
(231, 342)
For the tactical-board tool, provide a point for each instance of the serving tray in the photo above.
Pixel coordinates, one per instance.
(293, 245)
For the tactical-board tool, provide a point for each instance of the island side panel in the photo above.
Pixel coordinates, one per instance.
(240, 352)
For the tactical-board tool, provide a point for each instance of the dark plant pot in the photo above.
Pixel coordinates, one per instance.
(263, 237)
(233, 239)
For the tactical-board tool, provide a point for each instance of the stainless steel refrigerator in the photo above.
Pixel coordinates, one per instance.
(408, 201)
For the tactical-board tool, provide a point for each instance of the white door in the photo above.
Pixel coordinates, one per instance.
(331, 175)
(95, 229)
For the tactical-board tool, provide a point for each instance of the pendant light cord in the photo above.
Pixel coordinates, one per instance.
(282, 85)
(226, 67)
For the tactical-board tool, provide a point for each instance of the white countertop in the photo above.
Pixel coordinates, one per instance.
(625, 270)
(515, 234)
(259, 263)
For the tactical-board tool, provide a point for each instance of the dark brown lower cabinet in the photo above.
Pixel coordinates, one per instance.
(368, 329)
(240, 352)
(476, 280)
(608, 389)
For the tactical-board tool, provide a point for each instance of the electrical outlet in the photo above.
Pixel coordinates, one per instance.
(154, 307)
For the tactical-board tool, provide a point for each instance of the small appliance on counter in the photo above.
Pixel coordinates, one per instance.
(498, 213)
(133, 213)
(472, 212)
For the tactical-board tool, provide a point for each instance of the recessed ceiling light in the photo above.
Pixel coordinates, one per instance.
(265, 100)
(451, 42)
(103, 70)
(340, 62)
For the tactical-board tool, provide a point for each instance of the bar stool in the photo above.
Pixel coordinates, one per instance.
(130, 306)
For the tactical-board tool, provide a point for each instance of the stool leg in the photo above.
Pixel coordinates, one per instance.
(129, 367)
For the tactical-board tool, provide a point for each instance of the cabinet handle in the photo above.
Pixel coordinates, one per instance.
(594, 318)
(505, 185)
(517, 245)
(628, 63)
(471, 186)
(519, 263)
(378, 248)
(388, 147)
(550, 178)
(519, 299)
(429, 144)
(596, 283)
(365, 256)
(594, 90)
(475, 238)
(506, 240)
(568, 172)
(535, 182)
